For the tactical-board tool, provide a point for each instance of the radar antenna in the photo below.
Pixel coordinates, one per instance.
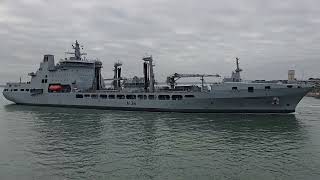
(77, 53)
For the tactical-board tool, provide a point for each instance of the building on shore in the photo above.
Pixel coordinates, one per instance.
(316, 91)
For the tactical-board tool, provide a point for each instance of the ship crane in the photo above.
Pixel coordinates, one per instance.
(172, 80)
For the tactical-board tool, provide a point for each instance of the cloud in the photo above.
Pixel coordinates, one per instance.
(182, 35)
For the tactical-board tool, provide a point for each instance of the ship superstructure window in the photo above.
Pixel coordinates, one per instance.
(36, 91)
(250, 89)
(131, 97)
(15, 90)
(79, 96)
(267, 87)
(112, 96)
(289, 86)
(94, 96)
(27, 89)
(151, 97)
(5, 89)
(189, 96)
(164, 97)
(21, 89)
(103, 96)
(87, 95)
(176, 97)
(142, 96)
(234, 88)
(120, 96)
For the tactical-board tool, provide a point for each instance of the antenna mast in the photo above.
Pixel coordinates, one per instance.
(238, 69)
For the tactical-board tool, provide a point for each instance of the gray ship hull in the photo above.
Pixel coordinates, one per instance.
(281, 100)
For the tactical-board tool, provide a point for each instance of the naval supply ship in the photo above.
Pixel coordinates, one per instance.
(76, 81)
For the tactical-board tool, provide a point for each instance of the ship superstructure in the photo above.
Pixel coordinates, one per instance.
(77, 82)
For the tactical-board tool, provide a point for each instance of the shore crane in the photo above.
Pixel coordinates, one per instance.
(172, 80)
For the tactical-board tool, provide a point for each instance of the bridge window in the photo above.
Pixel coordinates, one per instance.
(267, 87)
(176, 97)
(189, 96)
(120, 96)
(112, 96)
(131, 97)
(234, 88)
(142, 96)
(79, 96)
(151, 97)
(103, 96)
(87, 95)
(250, 89)
(36, 91)
(164, 97)
(94, 96)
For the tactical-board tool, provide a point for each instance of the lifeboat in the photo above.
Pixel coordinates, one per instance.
(55, 87)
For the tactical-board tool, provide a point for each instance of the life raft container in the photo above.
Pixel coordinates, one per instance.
(55, 88)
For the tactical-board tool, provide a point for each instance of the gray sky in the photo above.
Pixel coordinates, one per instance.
(186, 36)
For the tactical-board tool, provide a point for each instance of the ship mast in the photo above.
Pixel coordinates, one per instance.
(238, 69)
(77, 53)
(236, 74)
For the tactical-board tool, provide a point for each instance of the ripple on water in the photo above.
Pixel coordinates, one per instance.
(66, 143)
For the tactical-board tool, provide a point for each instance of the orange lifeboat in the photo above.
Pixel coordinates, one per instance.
(55, 88)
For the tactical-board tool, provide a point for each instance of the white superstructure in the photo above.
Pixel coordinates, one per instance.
(77, 82)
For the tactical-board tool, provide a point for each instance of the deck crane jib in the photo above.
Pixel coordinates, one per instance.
(172, 80)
